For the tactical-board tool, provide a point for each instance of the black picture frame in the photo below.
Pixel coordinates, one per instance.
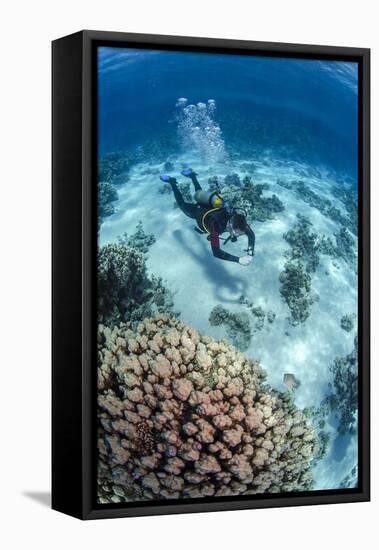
(74, 273)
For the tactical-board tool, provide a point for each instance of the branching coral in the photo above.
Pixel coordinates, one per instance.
(345, 245)
(347, 322)
(304, 244)
(125, 292)
(303, 259)
(181, 416)
(258, 207)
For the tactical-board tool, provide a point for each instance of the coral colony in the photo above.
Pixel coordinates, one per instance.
(183, 415)
(214, 379)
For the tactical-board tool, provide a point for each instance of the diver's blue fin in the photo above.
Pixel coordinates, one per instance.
(188, 172)
(166, 178)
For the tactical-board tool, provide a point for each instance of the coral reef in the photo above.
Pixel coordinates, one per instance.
(344, 398)
(114, 167)
(345, 246)
(296, 291)
(258, 207)
(106, 196)
(185, 416)
(303, 258)
(347, 322)
(318, 417)
(307, 245)
(237, 325)
(139, 240)
(125, 292)
(325, 206)
(304, 244)
(327, 247)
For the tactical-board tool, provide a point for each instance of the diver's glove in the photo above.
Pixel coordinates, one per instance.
(245, 260)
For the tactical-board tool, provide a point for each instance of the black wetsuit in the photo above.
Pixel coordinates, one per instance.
(216, 222)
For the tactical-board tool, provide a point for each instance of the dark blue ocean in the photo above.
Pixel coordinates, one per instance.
(304, 109)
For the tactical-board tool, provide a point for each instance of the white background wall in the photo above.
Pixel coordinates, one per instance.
(27, 27)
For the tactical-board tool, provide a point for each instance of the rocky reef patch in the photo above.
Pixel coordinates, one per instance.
(348, 322)
(302, 259)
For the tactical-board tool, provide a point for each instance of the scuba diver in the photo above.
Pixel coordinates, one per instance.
(214, 217)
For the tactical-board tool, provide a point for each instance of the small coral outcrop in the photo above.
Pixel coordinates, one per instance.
(106, 196)
(139, 240)
(237, 325)
(184, 416)
(296, 291)
(344, 399)
(125, 291)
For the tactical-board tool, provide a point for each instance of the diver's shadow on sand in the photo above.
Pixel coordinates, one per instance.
(225, 283)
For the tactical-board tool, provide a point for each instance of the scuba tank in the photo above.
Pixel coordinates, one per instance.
(209, 199)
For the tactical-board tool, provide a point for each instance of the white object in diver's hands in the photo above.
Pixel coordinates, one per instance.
(245, 260)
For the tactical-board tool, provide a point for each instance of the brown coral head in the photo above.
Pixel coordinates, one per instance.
(166, 432)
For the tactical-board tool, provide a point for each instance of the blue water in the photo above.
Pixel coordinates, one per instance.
(308, 106)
